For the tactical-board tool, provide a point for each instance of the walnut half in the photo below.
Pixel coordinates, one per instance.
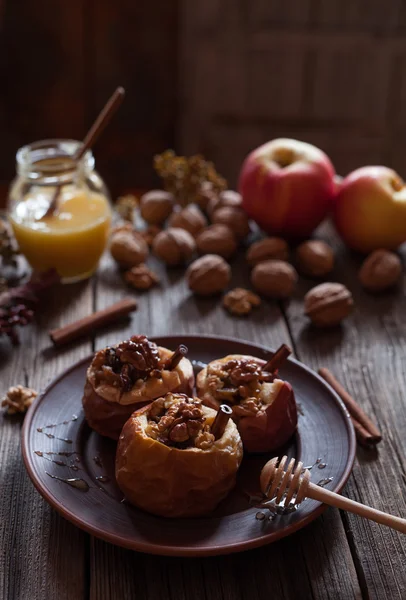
(240, 301)
(18, 399)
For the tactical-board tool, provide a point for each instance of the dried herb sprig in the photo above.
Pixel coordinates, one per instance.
(185, 176)
(17, 304)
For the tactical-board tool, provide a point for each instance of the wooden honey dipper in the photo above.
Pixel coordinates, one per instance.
(294, 484)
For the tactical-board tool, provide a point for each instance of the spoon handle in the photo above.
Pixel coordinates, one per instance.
(332, 499)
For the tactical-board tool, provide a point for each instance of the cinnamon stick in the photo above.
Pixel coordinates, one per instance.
(220, 422)
(177, 356)
(366, 430)
(277, 359)
(364, 437)
(101, 318)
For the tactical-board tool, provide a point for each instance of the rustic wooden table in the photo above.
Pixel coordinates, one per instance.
(338, 556)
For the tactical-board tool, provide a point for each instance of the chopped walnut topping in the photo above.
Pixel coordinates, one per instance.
(123, 365)
(240, 301)
(141, 277)
(238, 381)
(177, 420)
(18, 399)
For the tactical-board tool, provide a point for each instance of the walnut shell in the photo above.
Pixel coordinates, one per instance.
(380, 271)
(217, 239)
(272, 248)
(235, 218)
(156, 206)
(274, 278)
(174, 246)
(315, 258)
(189, 218)
(208, 275)
(128, 247)
(328, 304)
(225, 198)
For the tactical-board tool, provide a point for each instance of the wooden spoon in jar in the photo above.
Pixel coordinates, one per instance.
(92, 135)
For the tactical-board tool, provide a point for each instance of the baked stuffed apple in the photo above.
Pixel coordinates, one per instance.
(177, 457)
(124, 377)
(263, 406)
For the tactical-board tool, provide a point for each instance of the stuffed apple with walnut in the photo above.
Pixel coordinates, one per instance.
(263, 406)
(172, 461)
(124, 377)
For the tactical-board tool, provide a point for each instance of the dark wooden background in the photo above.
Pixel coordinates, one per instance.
(219, 76)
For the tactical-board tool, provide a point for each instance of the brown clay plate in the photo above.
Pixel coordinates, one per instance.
(71, 450)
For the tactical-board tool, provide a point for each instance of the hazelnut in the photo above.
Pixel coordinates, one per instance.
(274, 278)
(380, 270)
(315, 258)
(190, 218)
(127, 246)
(328, 304)
(235, 218)
(156, 206)
(216, 239)
(225, 198)
(141, 277)
(270, 248)
(240, 301)
(174, 246)
(209, 274)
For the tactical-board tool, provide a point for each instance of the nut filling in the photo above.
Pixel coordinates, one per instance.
(178, 421)
(128, 362)
(238, 383)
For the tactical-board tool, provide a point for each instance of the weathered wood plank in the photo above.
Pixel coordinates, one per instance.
(366, 355)
(43, 556)
(320, 554)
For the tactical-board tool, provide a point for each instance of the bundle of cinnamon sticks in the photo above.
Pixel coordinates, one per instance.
(366, 431)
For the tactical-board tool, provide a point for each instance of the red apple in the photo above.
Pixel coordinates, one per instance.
(287, 187)
(370, 209)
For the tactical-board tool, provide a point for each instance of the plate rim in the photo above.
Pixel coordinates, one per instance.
(183, 551)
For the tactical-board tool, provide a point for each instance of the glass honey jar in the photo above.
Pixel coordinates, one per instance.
(73, 238)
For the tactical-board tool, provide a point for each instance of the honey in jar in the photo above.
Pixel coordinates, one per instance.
(73, 238)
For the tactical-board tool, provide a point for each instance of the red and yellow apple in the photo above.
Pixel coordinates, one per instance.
(287, 187)
(370, 209)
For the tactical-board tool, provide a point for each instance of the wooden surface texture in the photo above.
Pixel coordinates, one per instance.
(338, 556)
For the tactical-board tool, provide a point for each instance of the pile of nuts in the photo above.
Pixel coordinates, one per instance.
(214, 227)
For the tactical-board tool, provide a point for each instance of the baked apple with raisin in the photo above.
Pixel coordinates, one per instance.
(264, 407)
(124, 377)
(178, 458)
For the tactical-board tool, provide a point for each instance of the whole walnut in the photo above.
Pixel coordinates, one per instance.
(270, 248)
(380, 271)
(206, 196)
(328, 304)
(315, 258)
(189, 218)
(208, 275)
(127, 246)
(174, 246)
(235, 218)
(216, 239)
(224, 198)
(156, 206)
(274, 278)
